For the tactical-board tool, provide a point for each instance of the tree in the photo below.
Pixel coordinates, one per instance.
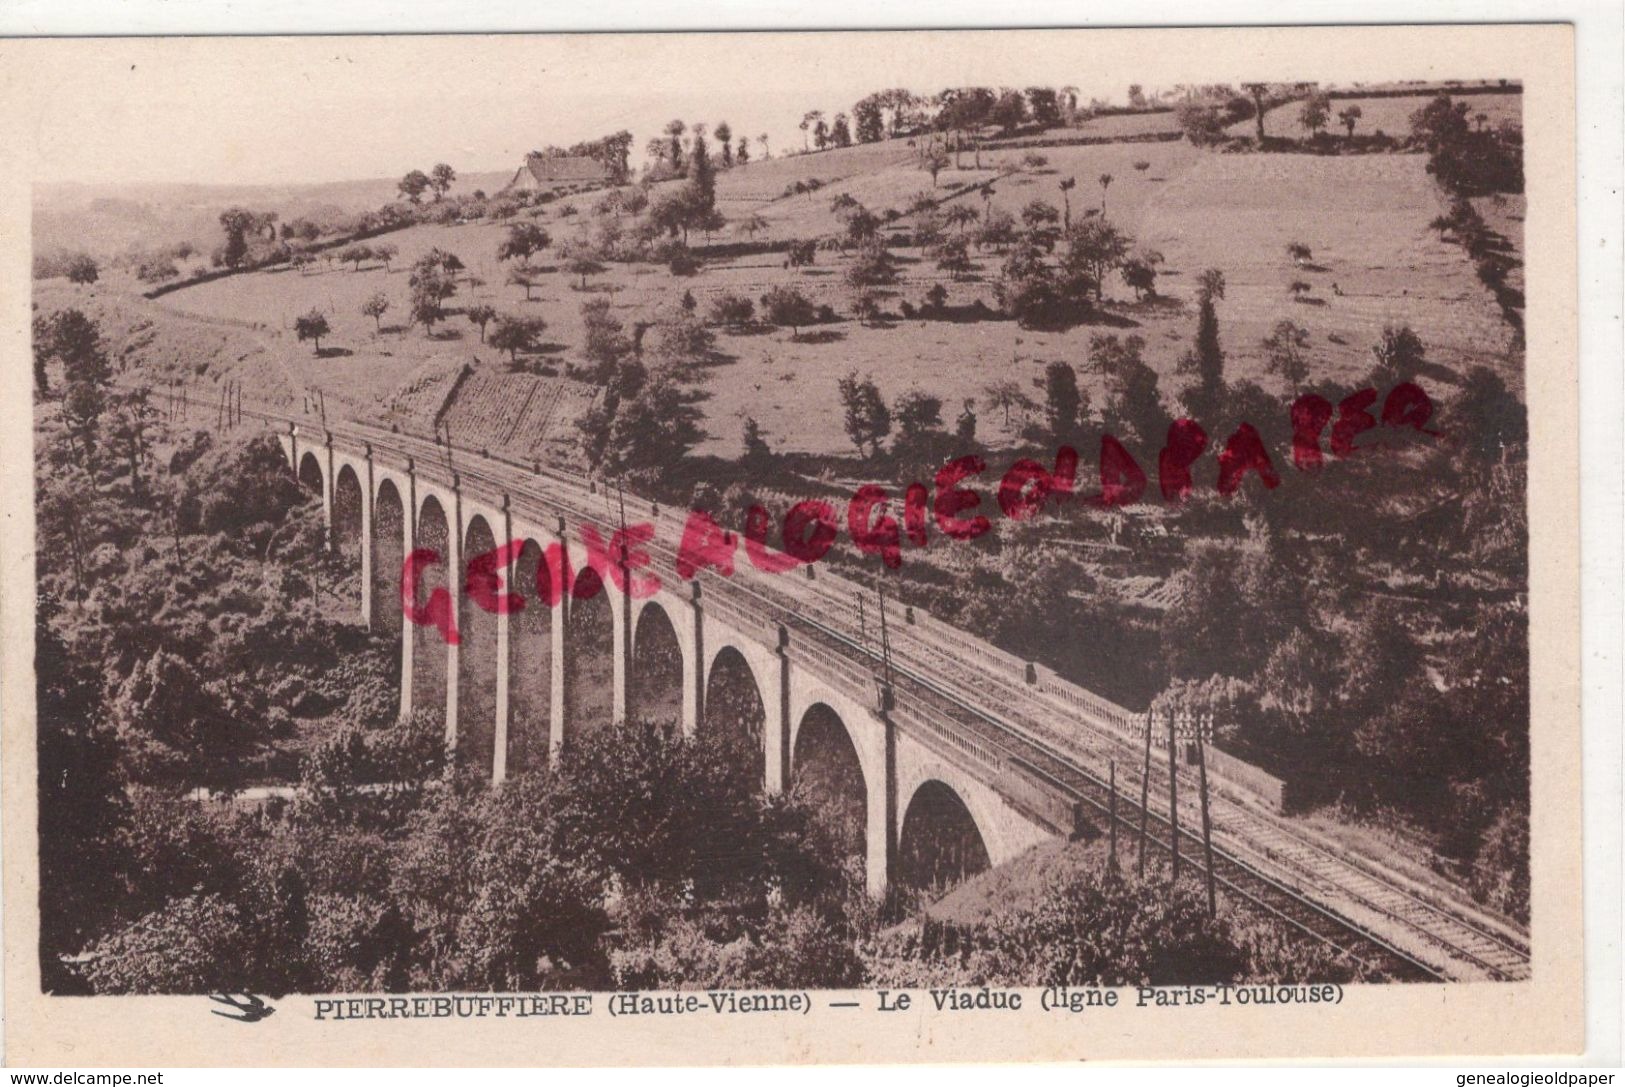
(919, 425)
(1133, 403)
(440, 179)
(788, 308)
(808, 119)
(128, 424)
(1203, 123)
(1141, 275)
(1285, 353)
(757, 452)
(1065, 407)
(703, 174)
(933, 160)
(1007, 394)
(1317, 110)
(954, 258)
(525, 276)
(1486, 418)
(414, 185)
(867, 418)
(674, 142)
(516, 334)
(583, 266)
(1350, 116)
(1259, 91)
(1205, 360)
(481, 314)
(821, 134)
(1009, 111)
(961, 216)
(429, 294)
(742, 152)
(605, 344)
(965, 426)
(1105, 183)
(1400, 355)
(840, 133)
(1039, 214)
(375, 307)
(1094, 247)
(869, 120)
(732, 310)
(76, 341)
(874, 266)
(312, 326)
(998, 229)
(82, 269)
(724, 135)
(681, 337)
(652, 430)
(1210, 284)
(355, 255)
(1045, 106)
(523, 241)
(866, 306)
(41, 343)
(384, 252)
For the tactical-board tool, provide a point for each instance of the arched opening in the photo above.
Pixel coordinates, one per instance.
(655, 688)
(735, 717)
(428, 643)
(310, 473)
(939, 845)
(589, 693)
(530, 663)
(388, 553)
(477, 664)
(825, 773)
(347, 529)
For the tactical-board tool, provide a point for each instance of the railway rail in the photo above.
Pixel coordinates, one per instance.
(1378, 920)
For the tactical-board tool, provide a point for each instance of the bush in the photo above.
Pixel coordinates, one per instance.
(684, 263)
(732, 310)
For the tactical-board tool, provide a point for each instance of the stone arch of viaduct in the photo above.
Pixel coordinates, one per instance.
(380, 511)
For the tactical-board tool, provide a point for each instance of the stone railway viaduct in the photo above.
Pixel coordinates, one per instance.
(931, 785)
(505, 685)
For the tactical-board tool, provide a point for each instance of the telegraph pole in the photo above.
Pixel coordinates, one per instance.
(1207, 826)
(1173, 795)
(1145, 787)
(1111, 820)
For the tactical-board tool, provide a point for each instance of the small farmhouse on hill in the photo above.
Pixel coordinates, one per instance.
(551, 173)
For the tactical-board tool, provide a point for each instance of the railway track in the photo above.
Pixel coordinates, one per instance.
(1373, 919)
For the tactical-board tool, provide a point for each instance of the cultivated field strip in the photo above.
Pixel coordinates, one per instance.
(1258, 856)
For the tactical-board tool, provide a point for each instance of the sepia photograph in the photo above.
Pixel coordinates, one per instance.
(749, 516)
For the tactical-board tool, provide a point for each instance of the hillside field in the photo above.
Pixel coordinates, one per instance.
(1364, 217)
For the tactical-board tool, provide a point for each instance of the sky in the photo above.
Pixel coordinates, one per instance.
(282, 110)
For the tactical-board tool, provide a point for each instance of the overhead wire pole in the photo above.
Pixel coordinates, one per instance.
(1173, 795)
(1207, 825)
(1111, 818)
(1145, 787)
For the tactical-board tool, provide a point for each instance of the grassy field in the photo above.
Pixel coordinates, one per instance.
(1365, 217)
(1388, 115)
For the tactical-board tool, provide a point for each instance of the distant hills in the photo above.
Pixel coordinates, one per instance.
(107, 218)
